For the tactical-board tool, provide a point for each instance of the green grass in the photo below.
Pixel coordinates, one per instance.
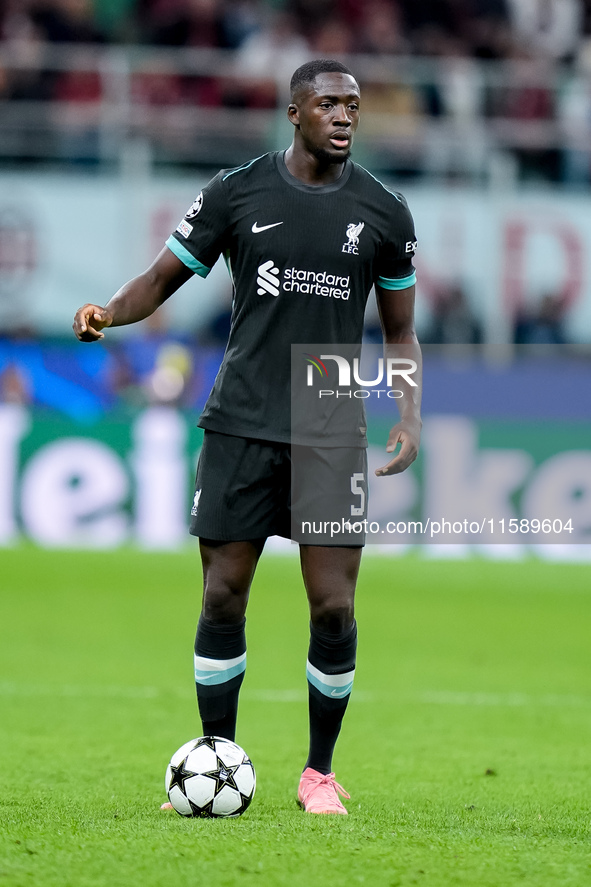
(465, 748)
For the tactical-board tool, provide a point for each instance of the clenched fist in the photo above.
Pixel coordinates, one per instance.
(89, 322)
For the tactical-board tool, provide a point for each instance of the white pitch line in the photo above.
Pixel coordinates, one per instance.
(299, 695)
(65, 691)
(274, 695)
(115, 691)
(433, 697)
(507, 700)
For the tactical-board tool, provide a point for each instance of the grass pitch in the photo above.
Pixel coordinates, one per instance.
(465, 748)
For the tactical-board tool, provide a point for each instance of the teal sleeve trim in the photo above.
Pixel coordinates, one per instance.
(399, 283)
(186, 258)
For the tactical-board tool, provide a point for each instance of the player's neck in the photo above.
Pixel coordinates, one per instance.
(309, 169)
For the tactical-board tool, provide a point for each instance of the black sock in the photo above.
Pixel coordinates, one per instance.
(220, 662)
(330, 671)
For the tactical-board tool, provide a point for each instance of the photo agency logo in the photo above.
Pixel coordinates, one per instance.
(348, 376)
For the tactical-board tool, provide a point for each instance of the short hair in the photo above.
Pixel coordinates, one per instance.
(306, 74)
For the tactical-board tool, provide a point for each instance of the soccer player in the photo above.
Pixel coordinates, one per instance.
(305, 233)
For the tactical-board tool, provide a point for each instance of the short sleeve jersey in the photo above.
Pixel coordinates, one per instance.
(303, 260)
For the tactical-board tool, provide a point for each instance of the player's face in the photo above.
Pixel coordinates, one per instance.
(327, 115)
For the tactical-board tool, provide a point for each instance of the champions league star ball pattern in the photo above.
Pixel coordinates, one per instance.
(210, 777)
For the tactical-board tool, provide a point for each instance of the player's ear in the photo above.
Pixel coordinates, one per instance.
(293, 115)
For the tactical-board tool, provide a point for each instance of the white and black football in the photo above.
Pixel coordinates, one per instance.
(210, 777)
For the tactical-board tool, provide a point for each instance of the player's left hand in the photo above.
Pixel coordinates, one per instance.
(408, 434)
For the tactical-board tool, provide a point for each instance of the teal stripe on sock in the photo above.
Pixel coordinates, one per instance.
(219, 677)
(333, 686)
(218, 671)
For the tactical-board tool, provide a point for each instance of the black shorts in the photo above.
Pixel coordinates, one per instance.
(251, 489)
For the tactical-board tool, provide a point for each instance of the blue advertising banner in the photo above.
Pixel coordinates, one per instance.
(505, 460)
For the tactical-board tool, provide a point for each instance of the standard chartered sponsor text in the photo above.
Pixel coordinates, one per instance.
(318, 283)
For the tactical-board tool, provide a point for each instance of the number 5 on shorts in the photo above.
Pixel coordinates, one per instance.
(357, 480)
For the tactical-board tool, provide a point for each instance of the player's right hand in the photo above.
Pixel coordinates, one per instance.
(89, 322)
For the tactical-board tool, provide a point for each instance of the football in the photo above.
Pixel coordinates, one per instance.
(210, 777)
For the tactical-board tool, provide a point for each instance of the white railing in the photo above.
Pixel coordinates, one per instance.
(487, 112)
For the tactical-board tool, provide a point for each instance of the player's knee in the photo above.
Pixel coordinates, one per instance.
(332, 619)
(224, 603)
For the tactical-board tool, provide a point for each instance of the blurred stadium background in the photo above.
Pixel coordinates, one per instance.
(112, 117)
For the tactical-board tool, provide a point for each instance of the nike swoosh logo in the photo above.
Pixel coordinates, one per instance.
(342, 692)
(205, 677)
(256, 230)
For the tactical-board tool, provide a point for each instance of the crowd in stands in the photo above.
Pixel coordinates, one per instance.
(485, 29)
(552, 36)
(490, 29)
(278, 35)
(551, 91)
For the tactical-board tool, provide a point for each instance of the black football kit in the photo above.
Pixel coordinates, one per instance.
(303, 260)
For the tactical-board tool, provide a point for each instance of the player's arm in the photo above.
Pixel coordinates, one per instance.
(136, 300)
(396, 309)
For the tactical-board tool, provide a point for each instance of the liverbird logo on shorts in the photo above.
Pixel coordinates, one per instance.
(354, 229)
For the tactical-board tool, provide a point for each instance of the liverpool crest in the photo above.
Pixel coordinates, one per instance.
(354, 230)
